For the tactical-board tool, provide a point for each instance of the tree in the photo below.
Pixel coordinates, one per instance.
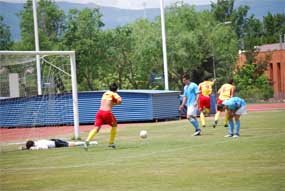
(5, 36)
(224, 11)
(134, 51)
(253, 34)
(274, 25)
(83, 34)
(184, 36)
(50, 25)
(194, 39)
(147, 53)
(251, 82)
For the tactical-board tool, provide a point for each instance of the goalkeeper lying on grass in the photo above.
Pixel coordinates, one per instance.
(52, 143)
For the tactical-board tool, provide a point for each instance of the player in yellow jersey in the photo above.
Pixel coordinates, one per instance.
(205, 89)
(225, 92)
(105, 115)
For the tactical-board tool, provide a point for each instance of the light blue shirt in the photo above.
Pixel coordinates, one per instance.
(190, 92)
(234, 103)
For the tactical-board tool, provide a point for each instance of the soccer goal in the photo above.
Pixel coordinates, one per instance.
(38, 95)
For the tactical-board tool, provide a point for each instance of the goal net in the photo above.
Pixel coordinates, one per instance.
(38, 89)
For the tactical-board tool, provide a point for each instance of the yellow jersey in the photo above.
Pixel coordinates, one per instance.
(226, 91)
(111, 96)
(206, 87)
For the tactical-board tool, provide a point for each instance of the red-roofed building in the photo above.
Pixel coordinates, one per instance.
(276, 67)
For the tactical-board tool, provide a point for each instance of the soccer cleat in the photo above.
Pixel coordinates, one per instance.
(215, 124)
(228, 135)
(197, 133)
(86, 144)
(226, 125)
(112, 146)
(236, 136)
(203, 126)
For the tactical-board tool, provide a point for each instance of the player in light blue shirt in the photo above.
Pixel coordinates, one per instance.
(236, 107)
(190, 97)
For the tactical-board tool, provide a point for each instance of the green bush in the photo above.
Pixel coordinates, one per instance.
(252, 85)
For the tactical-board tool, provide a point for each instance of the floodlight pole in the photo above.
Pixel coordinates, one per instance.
(37, 45)
(165, 68)
(213, 56)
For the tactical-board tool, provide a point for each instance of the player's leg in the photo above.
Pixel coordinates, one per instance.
(237, 124)
(203, 115)
(98, 123)
(204, 107)
(201, 108)
(92, 133)
(226, 119)
(231, 124)
(202, 118)
(113, 133)
(218, 113)
(80, 143)
(241, 111)
(191, 116)
(59, 143)
(112, 121)
(193, 120)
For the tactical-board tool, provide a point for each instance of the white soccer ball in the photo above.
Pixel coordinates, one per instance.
(143, 134)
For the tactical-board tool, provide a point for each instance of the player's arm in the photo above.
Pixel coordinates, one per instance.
(198, 92)
(119, 100)
(219, 92)
(200, 88)
(197, 98)
(213, 81)
(183, 102)
(116, 99)
(232, 91)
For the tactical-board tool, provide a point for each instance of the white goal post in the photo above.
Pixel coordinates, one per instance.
(71, 55)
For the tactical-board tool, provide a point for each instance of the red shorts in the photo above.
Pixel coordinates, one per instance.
(204, 102)
(219, 101)
(105, 117)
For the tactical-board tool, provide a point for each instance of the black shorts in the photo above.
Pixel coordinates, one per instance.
(60, 143)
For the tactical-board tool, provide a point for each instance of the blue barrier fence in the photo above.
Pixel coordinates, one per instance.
(138, 105)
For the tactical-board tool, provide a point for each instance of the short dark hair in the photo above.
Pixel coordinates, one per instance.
(220, 107)
(113, 87)
(186, 76)
(30, 144)
(231, 81)
(207, 77)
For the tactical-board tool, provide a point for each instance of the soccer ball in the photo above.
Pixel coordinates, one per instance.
(143, 134)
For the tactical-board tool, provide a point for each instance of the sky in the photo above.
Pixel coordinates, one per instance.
(130, 4)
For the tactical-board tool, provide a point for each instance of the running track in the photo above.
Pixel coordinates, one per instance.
(22, 134)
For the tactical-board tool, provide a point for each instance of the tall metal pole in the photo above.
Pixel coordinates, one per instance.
(37, 45)
(214, 64)
(165, 68)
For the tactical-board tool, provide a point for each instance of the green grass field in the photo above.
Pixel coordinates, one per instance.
(169, 159)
